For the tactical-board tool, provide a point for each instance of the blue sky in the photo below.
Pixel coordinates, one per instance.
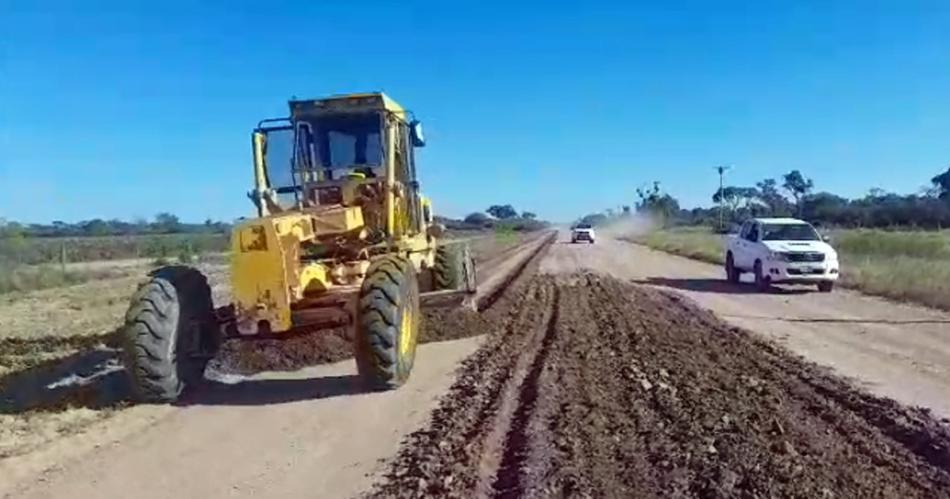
(127, 109)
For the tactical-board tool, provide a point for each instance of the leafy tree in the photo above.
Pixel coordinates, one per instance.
(97, 227)
(527, 215)
(478, 218)
(741, 201)
(798, 186)
(942, 185)
(827, 207)
(770, 196)
(729, 196)
(167, 223)
(657, 203)
(502, 212)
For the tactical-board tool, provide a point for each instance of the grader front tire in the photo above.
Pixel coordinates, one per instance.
(387, 324)
(169, 334)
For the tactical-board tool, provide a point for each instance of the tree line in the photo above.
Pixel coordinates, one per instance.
(794, 195)
(162, 223)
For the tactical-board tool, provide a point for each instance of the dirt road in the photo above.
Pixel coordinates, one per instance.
(593, 379)
(898, 351)
(595, 387)
(304, 433)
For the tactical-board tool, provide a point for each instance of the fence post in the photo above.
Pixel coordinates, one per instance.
(62, 256)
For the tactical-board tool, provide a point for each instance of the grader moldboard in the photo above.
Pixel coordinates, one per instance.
(343, 237)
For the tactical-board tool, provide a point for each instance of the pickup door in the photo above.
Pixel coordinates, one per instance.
(746, 246)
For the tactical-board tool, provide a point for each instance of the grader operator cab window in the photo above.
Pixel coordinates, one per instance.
(335, 145)
(277, 149)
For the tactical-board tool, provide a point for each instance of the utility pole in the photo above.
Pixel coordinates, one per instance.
(722, 170)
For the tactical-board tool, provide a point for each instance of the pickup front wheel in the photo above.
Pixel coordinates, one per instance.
(732, 273)
(762, 282)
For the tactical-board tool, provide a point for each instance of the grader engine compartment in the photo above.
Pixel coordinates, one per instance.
(342, 237)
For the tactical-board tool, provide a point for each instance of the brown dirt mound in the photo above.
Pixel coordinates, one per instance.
(593, 387)
(333, 345)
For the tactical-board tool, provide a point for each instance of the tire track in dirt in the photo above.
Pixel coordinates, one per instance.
(465, 438)
(593, 387)
(508, 478)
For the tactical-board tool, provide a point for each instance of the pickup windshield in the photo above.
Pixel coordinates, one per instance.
(789, 232)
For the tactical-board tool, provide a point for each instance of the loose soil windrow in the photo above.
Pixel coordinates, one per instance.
(246, 356)
(589, 386)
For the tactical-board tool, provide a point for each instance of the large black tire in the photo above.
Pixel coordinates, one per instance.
(387, 323)
(732, 273)
(826, 286)
(169, 334)
(454, 268)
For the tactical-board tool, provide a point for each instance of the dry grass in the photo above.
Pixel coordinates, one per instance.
(904, 265)
(42, 331)
(21, 278)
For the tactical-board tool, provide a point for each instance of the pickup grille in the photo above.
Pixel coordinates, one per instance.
(811, 256)
(805, 272)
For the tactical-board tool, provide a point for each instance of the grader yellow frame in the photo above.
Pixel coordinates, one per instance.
(342, 237)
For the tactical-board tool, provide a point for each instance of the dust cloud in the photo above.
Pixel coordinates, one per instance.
(627, 226)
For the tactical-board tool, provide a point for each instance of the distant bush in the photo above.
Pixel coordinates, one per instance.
(40, 250)
(481, 221)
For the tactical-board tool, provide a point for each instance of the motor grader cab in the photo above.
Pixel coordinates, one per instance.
(342, 237)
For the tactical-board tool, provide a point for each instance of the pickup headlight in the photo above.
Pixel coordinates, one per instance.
(778, 256)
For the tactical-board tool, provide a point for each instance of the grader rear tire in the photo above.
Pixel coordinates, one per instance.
(169, 334)
(387, 323)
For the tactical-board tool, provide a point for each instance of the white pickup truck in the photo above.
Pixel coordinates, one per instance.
(781, 250)
(582, 232)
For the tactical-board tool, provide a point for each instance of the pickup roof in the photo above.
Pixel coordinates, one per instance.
(781, 250)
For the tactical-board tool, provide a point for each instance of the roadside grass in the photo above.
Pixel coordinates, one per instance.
(698, 243)
(904, 265)
(22, 278)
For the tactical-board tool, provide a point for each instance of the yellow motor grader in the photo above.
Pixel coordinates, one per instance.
(342, 237)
